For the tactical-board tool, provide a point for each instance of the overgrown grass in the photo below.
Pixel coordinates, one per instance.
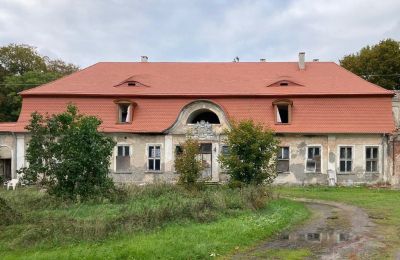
(156, 220)
(382, 205)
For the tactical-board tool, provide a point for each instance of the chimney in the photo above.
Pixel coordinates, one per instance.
(144, 58)
(302, 64)
(263, 60)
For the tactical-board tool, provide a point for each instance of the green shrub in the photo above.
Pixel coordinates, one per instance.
(69, 156)
(252, 151)
(187, 163)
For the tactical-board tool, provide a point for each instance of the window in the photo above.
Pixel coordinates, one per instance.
(203, 115)
(284, 83)
(371, 159)
(283, 109)
(124, 112)
(283, 160)
(225, 150)
(123, 158)
(346, 161)
(313, 163)
(154, 158)
(178, 150)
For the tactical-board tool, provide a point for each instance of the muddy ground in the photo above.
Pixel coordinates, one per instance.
(335, 231)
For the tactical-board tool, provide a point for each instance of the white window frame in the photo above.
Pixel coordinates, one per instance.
(148, 158)
(365, 157)
(306, 158)
(116, 153)
(289, 158)
(353, 152)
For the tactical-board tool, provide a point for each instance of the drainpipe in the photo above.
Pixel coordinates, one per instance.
(14, 157)
(383, 157)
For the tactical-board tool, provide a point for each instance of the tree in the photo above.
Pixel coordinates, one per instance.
(68, 156)
(252, 149)
(379, 64)
(187, 163)
(21, 68)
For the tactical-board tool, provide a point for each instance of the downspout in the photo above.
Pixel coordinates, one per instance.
(14, 157)
(383, 158)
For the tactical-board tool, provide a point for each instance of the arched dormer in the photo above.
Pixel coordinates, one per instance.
(284, 83)
(199, 111)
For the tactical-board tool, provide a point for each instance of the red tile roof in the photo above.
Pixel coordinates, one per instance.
(326, 98)
(199, 79)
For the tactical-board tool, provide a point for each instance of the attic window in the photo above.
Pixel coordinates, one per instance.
(132, 83)
(284, 83)
(283, 110)
(125, 110)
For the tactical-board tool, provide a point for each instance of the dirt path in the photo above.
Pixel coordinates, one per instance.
(335, 231)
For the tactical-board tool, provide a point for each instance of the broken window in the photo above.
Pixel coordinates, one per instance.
(124, 112)
(283, 160)
(154, 158)
(346, 161)
(123, 158)
(313, 163)
(371, 159)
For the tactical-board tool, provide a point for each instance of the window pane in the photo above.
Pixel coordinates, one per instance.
(120, 151)
(310, 153)
(368, 153)
(126, 150)
(157, 152)
(151, 164)
(285, 152)
(374, 166)
(342, 153)
(375, 153)
(310, 166)
(317, 163)
(368, 167)
(151, 151)
(178, 150)
(283, 115)
(316, 151)
(349, 153)
(342, 166)
(157, 166)
(225, 150)
(283, 166)
(348, 168)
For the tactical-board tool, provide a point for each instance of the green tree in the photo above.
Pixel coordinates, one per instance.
(252, 149)
(21, 68)
(187, 163)
(68, 155)
(379, 64)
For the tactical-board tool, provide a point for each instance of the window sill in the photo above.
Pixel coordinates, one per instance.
(282, 123)
(123, 123)
(150, 172)
(313, 172)
(122, 172)
(345, 173)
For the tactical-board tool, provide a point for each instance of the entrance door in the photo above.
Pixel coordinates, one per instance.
(206, 159)
(6, 167)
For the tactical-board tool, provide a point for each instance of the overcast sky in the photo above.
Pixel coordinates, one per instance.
(87, 31)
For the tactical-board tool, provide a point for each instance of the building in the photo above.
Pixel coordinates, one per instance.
(329, 120)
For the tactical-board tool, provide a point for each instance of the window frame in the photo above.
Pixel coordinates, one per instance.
(131, 106)
(281, 159)
(116, 154)
(279, 102)
(366, 160)
(353, 150)
(321, 158)
(148, 158)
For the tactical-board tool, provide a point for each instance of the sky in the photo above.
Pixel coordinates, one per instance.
(88, 31)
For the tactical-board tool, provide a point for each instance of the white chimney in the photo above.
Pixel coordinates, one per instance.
(302, 63)
(144, 58)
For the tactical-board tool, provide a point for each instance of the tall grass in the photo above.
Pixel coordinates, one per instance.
(42, 221)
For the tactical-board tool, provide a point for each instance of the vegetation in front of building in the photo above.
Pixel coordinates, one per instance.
(252, 151)
(68, 156)
(187, 163)
(163, 220)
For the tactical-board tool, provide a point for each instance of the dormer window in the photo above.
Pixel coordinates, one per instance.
(125, 109)
(132, 83)
(284, 83)
(283, 111)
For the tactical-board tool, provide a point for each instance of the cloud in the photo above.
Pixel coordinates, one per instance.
(85, 32)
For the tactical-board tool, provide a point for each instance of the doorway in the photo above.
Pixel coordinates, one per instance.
(5, 167)
(205, 156)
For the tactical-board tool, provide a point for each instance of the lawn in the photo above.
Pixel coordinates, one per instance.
(382, 205)
(154, 222)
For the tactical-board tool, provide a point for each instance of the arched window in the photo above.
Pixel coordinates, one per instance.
(203, 115)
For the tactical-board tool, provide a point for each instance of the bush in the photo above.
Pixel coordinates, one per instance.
(68, 155)
(252, 151)
(187, 163)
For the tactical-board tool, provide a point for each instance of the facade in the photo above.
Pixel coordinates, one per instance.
(330, 122)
